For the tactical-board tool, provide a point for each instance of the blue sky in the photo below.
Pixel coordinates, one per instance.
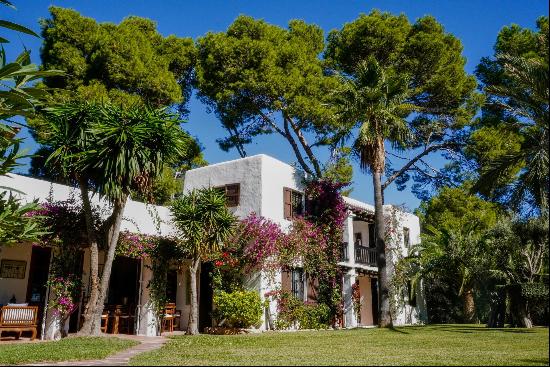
(476, 23)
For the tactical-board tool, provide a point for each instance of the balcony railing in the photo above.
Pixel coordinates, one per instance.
(365, 255)
(344, 256)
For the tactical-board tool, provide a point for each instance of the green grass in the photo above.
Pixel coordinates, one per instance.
(423, 345)
(68, 349)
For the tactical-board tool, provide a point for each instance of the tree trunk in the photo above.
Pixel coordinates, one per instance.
(384, 279)
(468, 306)
(89, 326)
(519, 309)
(193, 327)
(94, 308)
(498, 309)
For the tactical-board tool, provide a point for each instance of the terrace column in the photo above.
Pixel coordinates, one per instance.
(350, 318)
(350, 239)
(146, 314)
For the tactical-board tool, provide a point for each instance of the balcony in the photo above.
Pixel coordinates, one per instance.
(365, 255)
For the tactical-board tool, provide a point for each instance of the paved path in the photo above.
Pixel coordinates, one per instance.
(118, 359)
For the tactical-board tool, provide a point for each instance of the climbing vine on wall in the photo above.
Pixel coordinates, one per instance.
(312, 242)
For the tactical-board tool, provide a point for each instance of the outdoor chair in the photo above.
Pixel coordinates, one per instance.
(125, 319)
(169, 316)
(19, 319)
(105, 318)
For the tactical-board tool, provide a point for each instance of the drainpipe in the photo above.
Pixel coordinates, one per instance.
(45, 314)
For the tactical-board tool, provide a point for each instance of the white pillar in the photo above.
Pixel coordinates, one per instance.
(350, 318)
(350, 239)
(147, 322)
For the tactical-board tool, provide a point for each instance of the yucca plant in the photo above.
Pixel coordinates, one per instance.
(112, 151)
(17, 97)
(204, 224)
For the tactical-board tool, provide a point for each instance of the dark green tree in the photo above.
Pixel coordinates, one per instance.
(261, 79)
(510, 143)
(126, 64)
(408, 87)
(454, 223)
(121, 63)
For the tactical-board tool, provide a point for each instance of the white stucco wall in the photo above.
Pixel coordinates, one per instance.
(277, 175)
(10, 287)
(138, 217)
(246, 172)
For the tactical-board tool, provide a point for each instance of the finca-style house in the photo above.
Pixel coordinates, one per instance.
(259, 184)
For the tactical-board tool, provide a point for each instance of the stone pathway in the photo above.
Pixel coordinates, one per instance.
(118, 359)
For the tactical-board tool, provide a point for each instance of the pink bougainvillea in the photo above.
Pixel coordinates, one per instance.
(135, 245)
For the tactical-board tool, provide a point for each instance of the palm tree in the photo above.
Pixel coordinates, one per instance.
(111, 151)
(16, 98)
(373, 105)
(204, 223)
(523, 94)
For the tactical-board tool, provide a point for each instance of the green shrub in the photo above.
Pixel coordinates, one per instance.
(241, 309)
(293, 312)
(312, 316)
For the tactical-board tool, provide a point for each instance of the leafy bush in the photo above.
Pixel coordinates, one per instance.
(288, 309)
(241, 309)
(312, 316)
(293, 312)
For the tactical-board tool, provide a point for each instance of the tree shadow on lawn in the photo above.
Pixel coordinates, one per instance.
(536, 361)
(469, 329)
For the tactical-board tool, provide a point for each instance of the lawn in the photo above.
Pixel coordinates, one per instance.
(424, 345)
(68, 349)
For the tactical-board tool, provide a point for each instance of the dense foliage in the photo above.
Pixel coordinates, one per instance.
(474, 260)
(295, 313)
(260, 79)
(509, 147)
(238, 309)
(125, 64)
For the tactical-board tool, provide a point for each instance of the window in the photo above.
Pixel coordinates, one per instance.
(297, 283)
(293, 203)
(372, 235)
(406, 237)
(358, 238)
(232, 193)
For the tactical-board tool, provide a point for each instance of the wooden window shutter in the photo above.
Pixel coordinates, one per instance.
(312, 288)
(287, 202)
(286, 284)
(233, 192)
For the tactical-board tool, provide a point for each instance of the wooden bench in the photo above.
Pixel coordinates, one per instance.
(19, 319)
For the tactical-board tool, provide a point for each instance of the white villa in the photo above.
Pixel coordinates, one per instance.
(259, 184)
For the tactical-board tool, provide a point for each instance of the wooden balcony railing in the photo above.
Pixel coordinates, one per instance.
(365, 255)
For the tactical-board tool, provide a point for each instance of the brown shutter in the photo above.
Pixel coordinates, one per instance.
(232, 192)
(312, 288)
(287, 202)
(286, 285)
